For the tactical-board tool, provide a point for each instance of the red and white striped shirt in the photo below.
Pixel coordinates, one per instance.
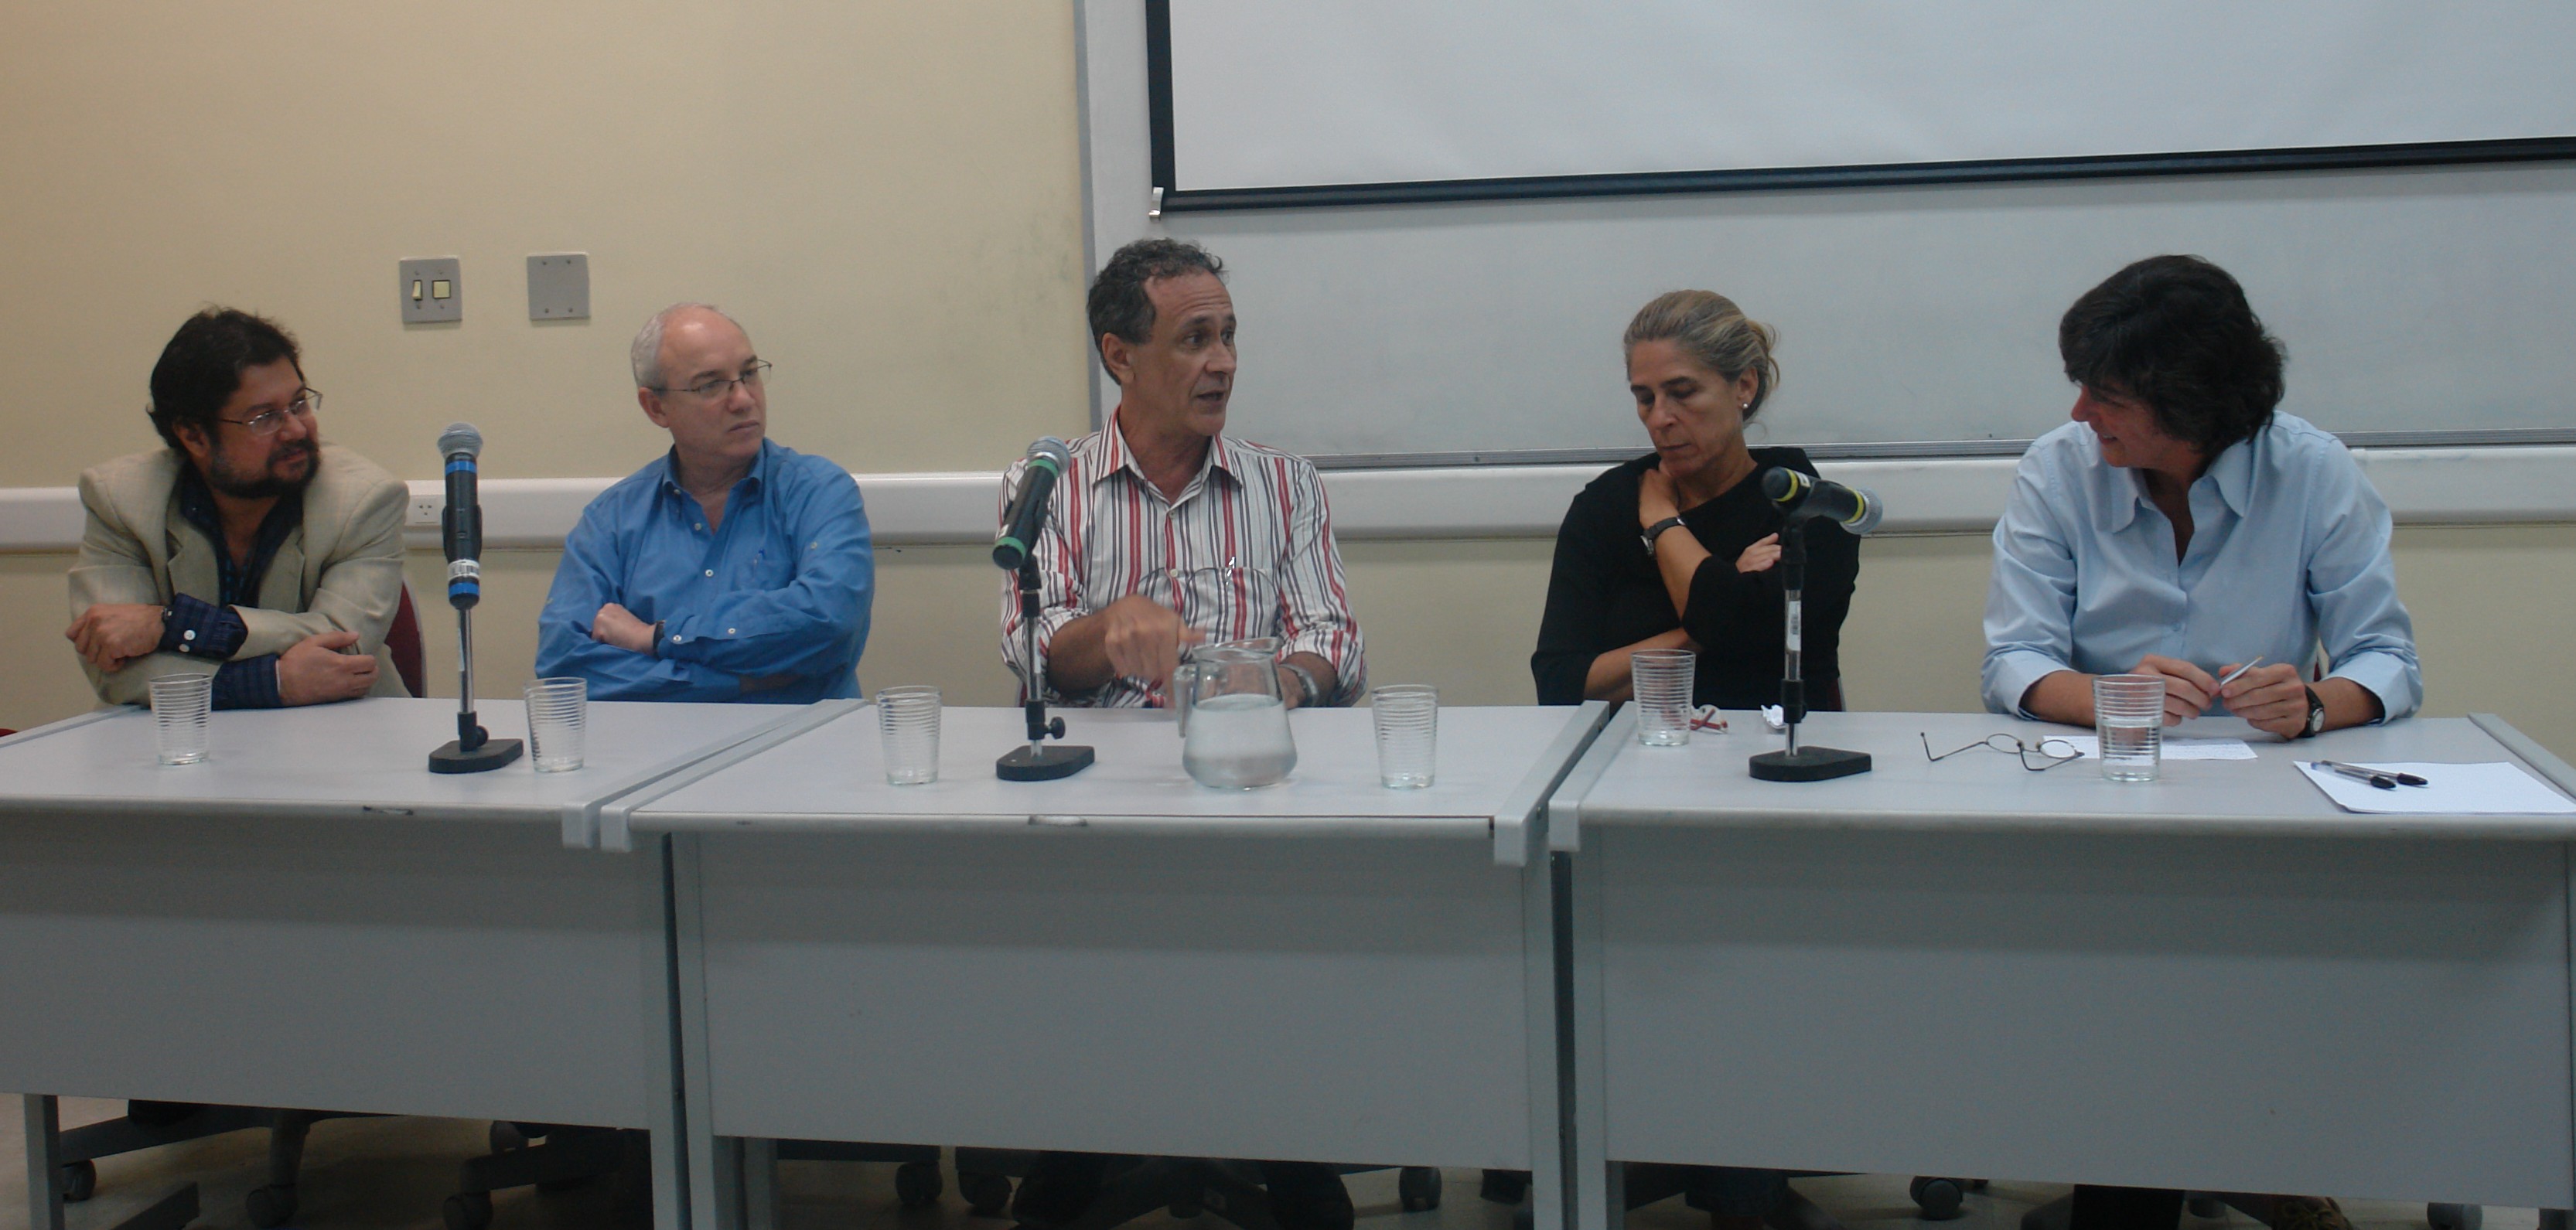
(1246, 550)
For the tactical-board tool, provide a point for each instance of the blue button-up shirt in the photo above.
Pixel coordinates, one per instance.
(781, 586)
(2289, 548)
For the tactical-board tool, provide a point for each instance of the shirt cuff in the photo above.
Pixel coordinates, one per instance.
(2385, 677)
(201, 629)
(248, 684)
(2010, 675)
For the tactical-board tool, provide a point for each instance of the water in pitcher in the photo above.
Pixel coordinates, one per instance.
(1239, 741)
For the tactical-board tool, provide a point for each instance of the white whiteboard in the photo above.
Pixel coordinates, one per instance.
(2413, 299)
(1319, 92)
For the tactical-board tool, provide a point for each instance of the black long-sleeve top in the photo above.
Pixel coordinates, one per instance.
(1605, 592)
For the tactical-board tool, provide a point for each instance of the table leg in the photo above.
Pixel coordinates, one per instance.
(44, 1162)
(1598, 1201)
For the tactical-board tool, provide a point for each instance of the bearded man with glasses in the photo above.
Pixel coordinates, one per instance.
(247, 549)
(731, 567)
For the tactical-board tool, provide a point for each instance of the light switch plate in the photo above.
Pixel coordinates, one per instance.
(559, 286)
(432, 290)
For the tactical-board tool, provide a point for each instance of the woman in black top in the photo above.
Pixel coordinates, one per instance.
(1699, 371)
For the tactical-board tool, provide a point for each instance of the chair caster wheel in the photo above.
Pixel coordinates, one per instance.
(916, 1184)
(272, 1205)
(2455, 1216)
(986, 1194)
(79, 1181)
(1418, 1189)
(1939, 1198)
(468, 1211)
(507, 1138)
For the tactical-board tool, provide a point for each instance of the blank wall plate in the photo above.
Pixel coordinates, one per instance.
(432, 289)
(559, 286)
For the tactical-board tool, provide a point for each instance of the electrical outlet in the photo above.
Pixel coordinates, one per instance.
(424, 509)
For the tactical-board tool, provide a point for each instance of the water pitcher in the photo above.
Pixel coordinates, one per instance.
(1234, 723)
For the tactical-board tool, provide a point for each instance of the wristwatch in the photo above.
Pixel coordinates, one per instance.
(1305, 680)
(1656, 531)
(2316, 714)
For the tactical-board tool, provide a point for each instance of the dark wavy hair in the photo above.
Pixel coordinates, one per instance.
(1118, 303)
(2176, 333)
(202, 366)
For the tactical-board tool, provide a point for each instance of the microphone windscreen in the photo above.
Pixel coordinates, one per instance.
(1052, 449)
(460, 438)
(1782, 484)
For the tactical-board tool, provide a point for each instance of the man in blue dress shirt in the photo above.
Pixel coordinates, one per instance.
(731, 568)
(2181, 527)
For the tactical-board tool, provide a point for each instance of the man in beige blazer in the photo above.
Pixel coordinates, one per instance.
(247, 549)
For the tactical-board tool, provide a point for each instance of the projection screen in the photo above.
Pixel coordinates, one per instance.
(1368, 101)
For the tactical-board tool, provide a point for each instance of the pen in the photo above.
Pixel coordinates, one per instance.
(2239, 672)
(2359, 773)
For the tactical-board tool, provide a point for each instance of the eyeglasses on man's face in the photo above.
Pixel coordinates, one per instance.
(2051, 752)
(270, 421)
(714, 387)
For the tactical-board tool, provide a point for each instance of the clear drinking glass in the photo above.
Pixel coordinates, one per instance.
(1407, 717)
(1663, 679)
(182, 709)
(558, 719)
(908, 719)
(2129, 720)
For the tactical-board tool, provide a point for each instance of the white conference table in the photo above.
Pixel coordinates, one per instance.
(1122, 961)
(2216, 981)
(310, 918)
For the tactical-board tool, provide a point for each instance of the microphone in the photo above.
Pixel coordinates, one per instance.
(460, 526)
(1026, 516)
(460, 530)
(1802, 497)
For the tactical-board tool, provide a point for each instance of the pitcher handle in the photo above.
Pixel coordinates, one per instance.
(1184, 685)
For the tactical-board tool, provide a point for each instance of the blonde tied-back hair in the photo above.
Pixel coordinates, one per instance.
(1714, 333)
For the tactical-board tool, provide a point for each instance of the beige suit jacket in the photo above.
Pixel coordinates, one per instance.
(340, 570)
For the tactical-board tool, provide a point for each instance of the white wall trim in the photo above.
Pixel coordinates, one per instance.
(2436, 486)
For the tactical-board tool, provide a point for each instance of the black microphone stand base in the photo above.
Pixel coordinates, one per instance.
(1808, 764)
(454, 758)
(1042, 764)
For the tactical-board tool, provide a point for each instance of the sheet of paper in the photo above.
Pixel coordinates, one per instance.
(2175, 749)
(2498, 789)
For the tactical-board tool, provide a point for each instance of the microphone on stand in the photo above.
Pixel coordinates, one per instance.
(1805, 497)
(1806, 500)
(1026, 517)
(1015, 550)
(460, 528)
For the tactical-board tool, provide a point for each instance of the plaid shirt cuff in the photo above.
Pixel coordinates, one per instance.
(200, 629)
(248, 684)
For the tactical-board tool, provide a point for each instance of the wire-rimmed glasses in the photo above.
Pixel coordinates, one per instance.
(2048, 750)
(713, 387)
(270, 421)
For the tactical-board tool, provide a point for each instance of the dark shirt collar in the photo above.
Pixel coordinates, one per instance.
(240, 582)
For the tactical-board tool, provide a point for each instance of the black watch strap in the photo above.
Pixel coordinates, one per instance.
(1658, 530)
(2316, 715)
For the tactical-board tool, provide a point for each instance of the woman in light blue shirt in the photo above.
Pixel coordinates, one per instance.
(2181, 527)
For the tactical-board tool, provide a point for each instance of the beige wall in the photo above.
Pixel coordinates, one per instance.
(885, 192)
(2488, 606)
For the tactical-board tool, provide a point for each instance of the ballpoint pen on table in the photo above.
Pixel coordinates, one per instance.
(2382, 778)
(1706, 717)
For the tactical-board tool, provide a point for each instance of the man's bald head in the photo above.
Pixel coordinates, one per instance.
(645, 356)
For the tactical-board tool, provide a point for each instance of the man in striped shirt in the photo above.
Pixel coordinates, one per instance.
(1166, 533)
